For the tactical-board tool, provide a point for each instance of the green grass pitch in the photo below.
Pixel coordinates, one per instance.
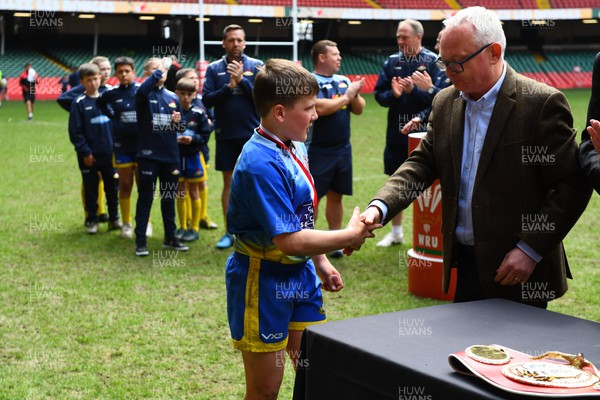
(83, 318)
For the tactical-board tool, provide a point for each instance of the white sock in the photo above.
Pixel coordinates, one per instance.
(397, 230)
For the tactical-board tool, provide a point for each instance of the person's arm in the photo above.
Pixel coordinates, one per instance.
(357, 105)
(330, 277)
(588, 154)
(66, 99)
(211, 94)
(272, 202)
(330, 106)
(569, 194)
(149, 84)
(311, 242)
(384, 94)
(105, 102)
(76, 133)
(420, 167)
(246, 85)
(205, 128)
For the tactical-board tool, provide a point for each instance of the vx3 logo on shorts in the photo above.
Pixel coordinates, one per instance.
(272, 336)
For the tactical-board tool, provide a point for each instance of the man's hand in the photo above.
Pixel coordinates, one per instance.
(516, 268)
(594, 131)
(396, 87)
(360, 229)
(355, 88)
(411, 125)
(89, 160)
(369, 220)
(176, 117)
(235, 70)
(422, 80)
(407, 84)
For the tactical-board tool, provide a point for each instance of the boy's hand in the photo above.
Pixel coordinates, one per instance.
(165, 64)
(360, 230)
(368, 220)
(330, 277)
(176, 117)
(89, 160)
(184, 139)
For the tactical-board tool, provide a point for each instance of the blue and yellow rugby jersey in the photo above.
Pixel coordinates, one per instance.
(331, 133)
(270, 195)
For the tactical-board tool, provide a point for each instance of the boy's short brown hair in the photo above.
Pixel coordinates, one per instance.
(149, 62)
(88, 69)
(183, 72)
(186, 85)
(282, 82)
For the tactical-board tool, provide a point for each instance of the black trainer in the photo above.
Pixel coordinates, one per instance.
(141, 251)
(175, 244)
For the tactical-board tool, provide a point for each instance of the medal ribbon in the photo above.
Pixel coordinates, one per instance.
(307, 176)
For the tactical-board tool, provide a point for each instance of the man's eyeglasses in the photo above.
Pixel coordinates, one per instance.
(458, 66)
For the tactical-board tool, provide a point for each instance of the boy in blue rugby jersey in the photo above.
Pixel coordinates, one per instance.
(159, 121)
(91, 134)
(192, 165)
(272, 277)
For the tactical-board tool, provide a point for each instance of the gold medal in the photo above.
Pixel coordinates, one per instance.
(488, 354)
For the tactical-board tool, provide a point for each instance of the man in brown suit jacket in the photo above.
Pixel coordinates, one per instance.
(503, 147)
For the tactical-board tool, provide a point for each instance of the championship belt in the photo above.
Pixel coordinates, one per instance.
(552, 374)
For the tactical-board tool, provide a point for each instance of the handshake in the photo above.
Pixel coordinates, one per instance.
(361, 227)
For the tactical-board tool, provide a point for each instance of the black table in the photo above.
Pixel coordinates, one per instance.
(404, 355)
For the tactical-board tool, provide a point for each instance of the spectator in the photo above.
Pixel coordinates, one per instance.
(395, 89)
(228, 88)
(330, 152)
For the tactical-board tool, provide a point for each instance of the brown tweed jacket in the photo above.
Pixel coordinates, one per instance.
(528, 184)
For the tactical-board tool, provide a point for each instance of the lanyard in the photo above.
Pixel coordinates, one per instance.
(307, 176)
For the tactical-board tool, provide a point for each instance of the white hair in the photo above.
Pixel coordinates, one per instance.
(488, 28)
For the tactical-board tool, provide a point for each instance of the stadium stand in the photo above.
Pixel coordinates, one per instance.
(312, 3)
(574, 3)
(493, 4)
(416, 4)
(558, 68)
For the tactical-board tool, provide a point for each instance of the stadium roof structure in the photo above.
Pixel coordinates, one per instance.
(278, 9)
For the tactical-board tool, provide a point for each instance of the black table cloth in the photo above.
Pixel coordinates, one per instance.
(404, 355)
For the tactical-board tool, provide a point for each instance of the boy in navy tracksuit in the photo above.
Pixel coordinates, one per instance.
(91, 134)
(159, 121)
(119, 104)
(192, 165)
(205, 221)
(67, 98)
